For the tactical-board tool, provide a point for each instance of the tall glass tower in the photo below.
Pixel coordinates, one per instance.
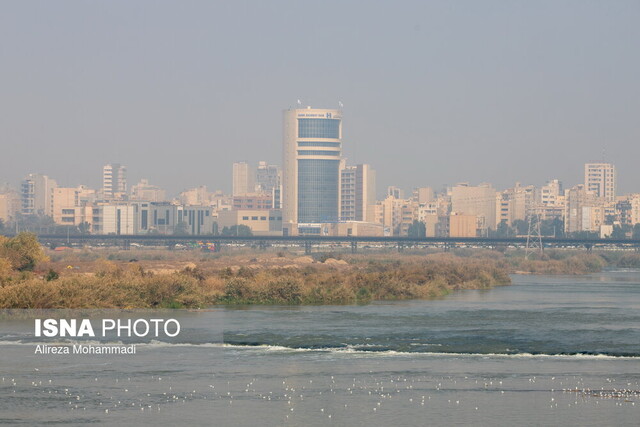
(312, 149)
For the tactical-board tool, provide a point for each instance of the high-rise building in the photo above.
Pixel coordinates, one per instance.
(312, 146)
(601, 179)
(357, 193)
(36, 195)
(243, 179)
(114, 181)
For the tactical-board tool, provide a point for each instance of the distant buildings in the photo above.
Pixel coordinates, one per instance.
(317, 193)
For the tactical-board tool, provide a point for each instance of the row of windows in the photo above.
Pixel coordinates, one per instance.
(317, 153)
(318, 189)
(262, 218)
(318, 144)
(319, 128)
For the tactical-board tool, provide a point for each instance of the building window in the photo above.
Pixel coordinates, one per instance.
(319, 128)
(318, 144)
(254, 218)
(318, 153)
(245, 218)
(318, 190)
(68, 212)
(263, 218)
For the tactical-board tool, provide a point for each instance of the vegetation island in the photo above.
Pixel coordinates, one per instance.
(35, 277)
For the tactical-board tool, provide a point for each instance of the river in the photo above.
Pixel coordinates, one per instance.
(547, 350)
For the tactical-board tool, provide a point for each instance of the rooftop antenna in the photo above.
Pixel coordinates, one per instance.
(299, 103)
(340, 104)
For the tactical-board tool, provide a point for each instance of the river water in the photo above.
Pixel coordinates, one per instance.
(547, 350)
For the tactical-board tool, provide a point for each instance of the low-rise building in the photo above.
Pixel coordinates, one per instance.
(262, 222)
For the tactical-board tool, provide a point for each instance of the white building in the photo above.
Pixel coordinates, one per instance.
(37, 195)
(114, 181)
(357, 193)
(601, 179)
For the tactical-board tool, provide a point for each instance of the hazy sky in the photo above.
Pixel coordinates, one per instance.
(434, 92)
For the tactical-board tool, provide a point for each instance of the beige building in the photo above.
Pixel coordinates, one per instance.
(9, 206)
(478, 201)
(600, 178)
(634, 216)
(423, 195)
(244, 178)
(389, 213)
(458, 225)
(69, 205)
(199, 196)
(515, 204)
(262, 222)
(352, 228)
(145, 191)
(550, 194)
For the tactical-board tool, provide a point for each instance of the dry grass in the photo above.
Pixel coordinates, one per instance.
(129, 285)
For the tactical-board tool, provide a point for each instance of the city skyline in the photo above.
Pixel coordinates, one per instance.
(496, 92)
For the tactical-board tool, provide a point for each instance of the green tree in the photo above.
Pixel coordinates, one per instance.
(181, 229)
(417, 229)
(237, 230)
(584, 235)
(84, 228)
(521, 227)
(636, 231)
(619, 232)
(552, 227)
(503, 230)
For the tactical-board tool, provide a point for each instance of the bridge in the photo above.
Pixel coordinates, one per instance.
(354, 242)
